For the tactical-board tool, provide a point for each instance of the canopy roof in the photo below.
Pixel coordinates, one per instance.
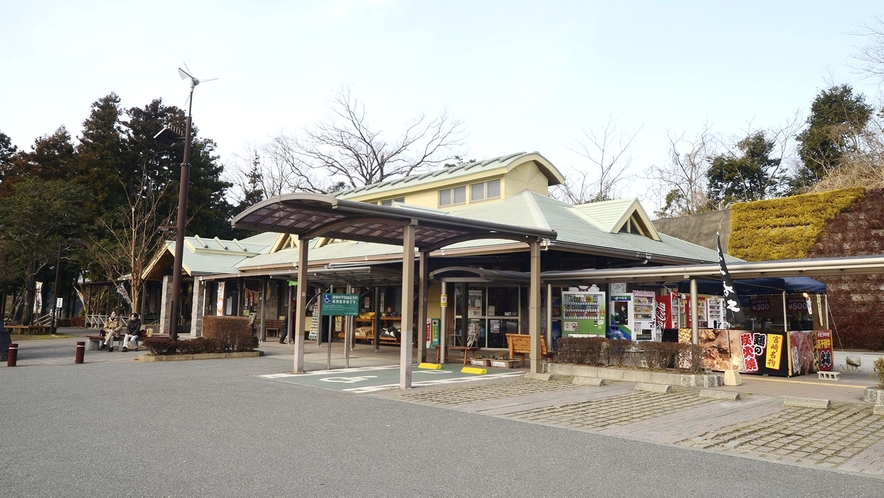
(317, 215)
(756, 286)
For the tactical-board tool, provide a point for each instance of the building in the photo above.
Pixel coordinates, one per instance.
(483, 279)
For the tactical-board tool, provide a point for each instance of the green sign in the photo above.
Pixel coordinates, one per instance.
(340, 304)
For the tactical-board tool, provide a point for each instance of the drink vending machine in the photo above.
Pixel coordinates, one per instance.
(632, 316)
(583, 314)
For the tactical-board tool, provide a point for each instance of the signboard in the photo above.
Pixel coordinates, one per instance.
(825, 352)
(434, 326)
(340, 304)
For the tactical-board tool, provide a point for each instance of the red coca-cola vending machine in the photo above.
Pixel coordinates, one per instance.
(666, 315)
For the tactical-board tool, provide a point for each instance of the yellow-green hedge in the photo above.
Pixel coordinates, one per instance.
(785, 228)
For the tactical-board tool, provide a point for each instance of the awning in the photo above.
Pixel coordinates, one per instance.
(317, 215)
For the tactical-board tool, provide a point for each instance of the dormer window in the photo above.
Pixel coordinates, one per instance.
(389, 202)
(452, 196)
(485, 190)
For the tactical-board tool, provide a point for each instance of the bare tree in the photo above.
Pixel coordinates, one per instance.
(870, 57)
(345, 151)
(608, 152)
(682, 182)
(132, 236)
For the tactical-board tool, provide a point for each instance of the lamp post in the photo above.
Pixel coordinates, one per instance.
(168, 136)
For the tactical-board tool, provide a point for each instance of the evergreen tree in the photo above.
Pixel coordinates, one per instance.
(748, 176)
(837, 118)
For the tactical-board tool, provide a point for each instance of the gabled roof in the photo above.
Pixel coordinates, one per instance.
(585, 229)
(577, 229)
(620, 215)
(450, 174)
(209, 256)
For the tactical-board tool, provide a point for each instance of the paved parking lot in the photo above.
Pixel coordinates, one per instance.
(846, 437)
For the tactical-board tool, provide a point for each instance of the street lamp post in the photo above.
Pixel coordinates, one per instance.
(168, 136)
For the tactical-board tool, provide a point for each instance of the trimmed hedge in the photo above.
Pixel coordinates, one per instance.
(221, 334)
(785, 228)
(597, 351)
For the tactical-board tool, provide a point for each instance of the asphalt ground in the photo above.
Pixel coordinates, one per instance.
(845, 440)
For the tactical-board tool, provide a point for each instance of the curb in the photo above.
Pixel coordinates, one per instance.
(201, 356)
(823, 404)
(725, 395)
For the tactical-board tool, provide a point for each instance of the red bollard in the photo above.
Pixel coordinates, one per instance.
(13, 355)
(81, 350)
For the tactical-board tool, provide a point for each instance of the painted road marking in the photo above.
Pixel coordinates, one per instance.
(362, 376)
(456, 380)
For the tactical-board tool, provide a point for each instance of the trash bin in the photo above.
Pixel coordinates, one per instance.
(5, 341)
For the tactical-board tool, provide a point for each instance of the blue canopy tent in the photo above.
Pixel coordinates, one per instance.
(757, 286)
(745, 288)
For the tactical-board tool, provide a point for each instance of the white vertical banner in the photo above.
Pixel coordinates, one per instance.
(219, 303)
(38, 298)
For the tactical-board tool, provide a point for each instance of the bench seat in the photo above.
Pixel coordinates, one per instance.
(520, 345)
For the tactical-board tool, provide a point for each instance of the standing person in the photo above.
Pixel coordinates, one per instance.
(284, 329)
(112, 328)
(132, 331)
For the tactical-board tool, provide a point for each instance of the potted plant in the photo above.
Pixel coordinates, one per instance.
(502, 362)
(480, 361)
(876, 394)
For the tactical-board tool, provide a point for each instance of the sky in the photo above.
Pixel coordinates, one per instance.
(521, 75)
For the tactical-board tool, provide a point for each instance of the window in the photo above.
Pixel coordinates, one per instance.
(486, 190)
(389, 202)
(452, 196)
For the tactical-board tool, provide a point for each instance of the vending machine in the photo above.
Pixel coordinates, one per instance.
(620, 323)
(643, 305)
(668, 307)
(715, 306)
(583, 314)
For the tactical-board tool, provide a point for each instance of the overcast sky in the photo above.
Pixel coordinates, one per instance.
(522, 75)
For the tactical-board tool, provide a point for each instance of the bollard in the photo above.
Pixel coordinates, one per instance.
(13, 355)
(81, 350)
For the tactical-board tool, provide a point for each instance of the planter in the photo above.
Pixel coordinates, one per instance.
(480, 362)
(503, 363)
(873, 395)
(636, 375)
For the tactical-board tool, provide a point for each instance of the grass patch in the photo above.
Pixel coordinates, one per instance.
(38, 337)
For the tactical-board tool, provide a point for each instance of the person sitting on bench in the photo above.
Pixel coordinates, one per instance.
(132, 330)
(112, 328)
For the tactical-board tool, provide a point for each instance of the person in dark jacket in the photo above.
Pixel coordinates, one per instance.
(133, 329)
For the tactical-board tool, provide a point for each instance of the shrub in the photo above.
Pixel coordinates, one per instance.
(581, 350)
(659, 355)
(230, 333)
(160, 345)
(618, 351)
(879, 369)
(688, 357)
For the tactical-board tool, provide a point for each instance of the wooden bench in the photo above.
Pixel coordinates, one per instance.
(520, 344)
(94, 341)
(273, 327)
(467, 352)
(27, 329)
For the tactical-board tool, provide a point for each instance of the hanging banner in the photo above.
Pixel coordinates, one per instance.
(219, 304)
(733, 310)
(121, 290)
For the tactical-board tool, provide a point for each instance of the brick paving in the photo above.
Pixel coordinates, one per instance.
(846, 437)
